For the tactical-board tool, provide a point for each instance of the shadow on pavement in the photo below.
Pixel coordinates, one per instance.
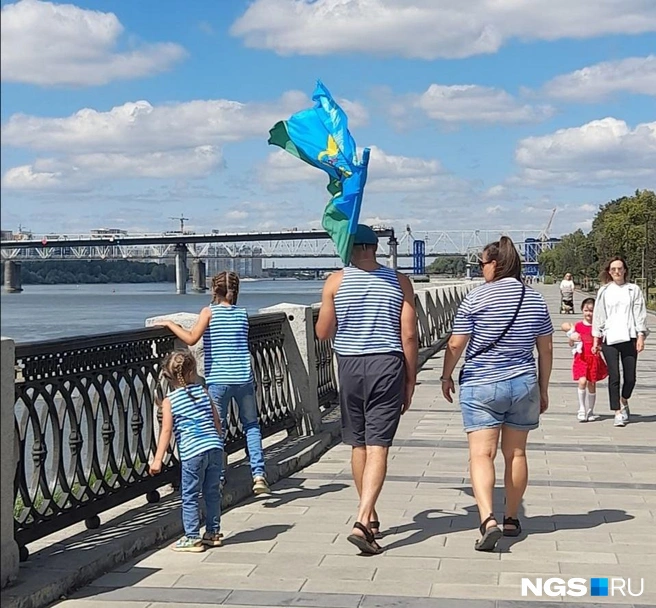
(278, 499)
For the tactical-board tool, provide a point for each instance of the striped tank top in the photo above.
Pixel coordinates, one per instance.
(193, 422)
(368, 309)
(225, 344)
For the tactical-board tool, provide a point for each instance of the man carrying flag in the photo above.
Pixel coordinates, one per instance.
(369, 310)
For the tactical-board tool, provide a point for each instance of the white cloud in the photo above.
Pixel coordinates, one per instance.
(599, 152)
(138, 139)
(387, 172)
(427, 29)
(139, 126)
(476, 104)
(25, 177)
(61, 44)
(597, 82)
(494, 209)
(82, 169)
(236, 214)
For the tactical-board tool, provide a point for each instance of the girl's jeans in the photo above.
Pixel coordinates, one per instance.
(202, 473)
(244, 395)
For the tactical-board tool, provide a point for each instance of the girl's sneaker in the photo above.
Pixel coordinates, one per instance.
(260, 486)
(212, 539)
(189, 545)
(582, 416)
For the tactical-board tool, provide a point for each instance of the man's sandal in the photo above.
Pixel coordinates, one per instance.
(512, 521)
(374, 526)
(367, 543)
(489, 536)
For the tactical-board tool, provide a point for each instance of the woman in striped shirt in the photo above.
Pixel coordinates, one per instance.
(223, 326)
(501, 395)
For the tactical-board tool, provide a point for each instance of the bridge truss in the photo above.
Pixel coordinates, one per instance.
(284, 245)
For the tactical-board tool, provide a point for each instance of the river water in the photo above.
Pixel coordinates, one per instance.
(46, 312)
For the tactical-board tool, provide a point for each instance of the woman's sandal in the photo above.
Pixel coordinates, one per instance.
(511, 521)
(367, 543)
(489, 536)
(374, 526)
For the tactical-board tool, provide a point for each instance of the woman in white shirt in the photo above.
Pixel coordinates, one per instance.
(619, 327)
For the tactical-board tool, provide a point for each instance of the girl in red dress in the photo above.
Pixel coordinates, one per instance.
(587, 368)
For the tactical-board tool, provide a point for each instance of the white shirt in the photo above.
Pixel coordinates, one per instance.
(620, 324)
(567, 286)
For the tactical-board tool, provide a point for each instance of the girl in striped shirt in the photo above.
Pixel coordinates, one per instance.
(187, 413)
(223, 326)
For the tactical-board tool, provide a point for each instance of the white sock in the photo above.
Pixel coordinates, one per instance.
(582, 407)
(591, 398)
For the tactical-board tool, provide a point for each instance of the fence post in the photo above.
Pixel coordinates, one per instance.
(186, 320)
(9, 548)
(301, 358)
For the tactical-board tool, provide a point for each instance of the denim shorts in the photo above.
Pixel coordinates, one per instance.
(514, 403)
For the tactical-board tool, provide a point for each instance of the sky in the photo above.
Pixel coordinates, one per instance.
(484, 114)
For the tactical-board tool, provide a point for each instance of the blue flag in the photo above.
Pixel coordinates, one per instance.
(320, 137)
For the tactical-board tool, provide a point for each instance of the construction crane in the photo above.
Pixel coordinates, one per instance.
(182, 219)
(543, 237)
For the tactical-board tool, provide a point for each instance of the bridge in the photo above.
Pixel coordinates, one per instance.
(255, 246)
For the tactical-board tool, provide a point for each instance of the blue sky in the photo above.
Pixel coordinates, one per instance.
(485, 116)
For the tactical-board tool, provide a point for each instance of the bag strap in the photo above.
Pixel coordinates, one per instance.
(492, 345)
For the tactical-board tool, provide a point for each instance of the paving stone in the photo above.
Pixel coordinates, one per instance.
(220, 581)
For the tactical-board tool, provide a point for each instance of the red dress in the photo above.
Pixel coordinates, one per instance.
(586, 365)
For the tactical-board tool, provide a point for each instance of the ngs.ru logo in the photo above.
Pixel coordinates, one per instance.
(578, 587)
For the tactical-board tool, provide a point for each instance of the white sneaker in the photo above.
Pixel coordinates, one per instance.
(625, 412)
(592, 416)
(619, 420)
(582, 416)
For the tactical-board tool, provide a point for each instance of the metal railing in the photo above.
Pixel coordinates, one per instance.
(326, 376)
(87, 421)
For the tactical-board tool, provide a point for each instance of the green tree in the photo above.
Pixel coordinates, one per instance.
(624, 227)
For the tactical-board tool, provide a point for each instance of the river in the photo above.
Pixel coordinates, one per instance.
(46, 312)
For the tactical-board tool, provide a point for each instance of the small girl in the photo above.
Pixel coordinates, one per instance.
(188, 413)
(223, 327)
(587, 368)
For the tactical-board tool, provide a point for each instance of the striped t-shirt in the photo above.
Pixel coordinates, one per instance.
(368, 309)
(225, 345)
(193, 421)
(484, 314)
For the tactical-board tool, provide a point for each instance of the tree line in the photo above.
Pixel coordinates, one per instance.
(624, 227)
(102, 271)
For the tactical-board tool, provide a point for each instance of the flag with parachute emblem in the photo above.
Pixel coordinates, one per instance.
(320, 137)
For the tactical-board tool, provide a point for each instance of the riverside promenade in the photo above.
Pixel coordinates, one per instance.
(590, 511)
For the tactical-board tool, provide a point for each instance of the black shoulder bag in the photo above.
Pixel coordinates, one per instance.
(492, 345)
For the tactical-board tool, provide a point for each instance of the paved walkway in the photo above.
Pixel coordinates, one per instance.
(589, 512)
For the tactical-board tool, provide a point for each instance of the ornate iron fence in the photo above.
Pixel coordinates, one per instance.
(87, 421)
(85, 425)
(326, 376)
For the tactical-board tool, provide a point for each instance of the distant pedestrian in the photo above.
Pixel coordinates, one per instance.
(499, 324)
(370, 311)
(223, 326)
(567, 294)
(588, 367)
(619, 327)
(188, 413)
